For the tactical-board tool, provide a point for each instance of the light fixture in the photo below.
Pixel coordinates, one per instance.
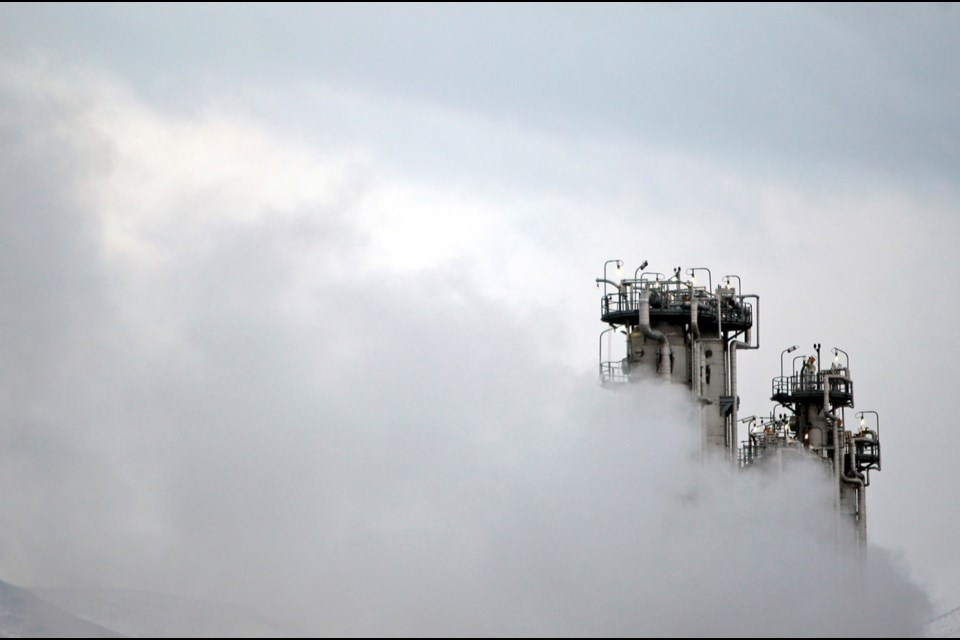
(836, 352)
(783, 353)
(605, 281)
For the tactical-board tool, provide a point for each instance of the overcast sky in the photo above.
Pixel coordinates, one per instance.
(306, 293)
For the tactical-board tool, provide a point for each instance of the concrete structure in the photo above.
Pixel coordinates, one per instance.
(679, 331)
(686, 333)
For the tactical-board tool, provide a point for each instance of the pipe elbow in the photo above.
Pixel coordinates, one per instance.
(856, 480)
(644, 321)
(694, 325)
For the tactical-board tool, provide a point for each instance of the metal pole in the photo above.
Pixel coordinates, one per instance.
(619, 263)
(783, 353)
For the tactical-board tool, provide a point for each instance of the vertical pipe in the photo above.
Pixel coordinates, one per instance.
(858, 482)
(732, 355)
(695, 348)
(825, 381)
(732, 429)
(644, 326)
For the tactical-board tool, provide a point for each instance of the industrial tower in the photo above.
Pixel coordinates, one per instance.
(679, 331)
(682, 332)
(816, 399)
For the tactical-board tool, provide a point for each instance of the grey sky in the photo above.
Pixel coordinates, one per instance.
(818, 84)
(283, 278)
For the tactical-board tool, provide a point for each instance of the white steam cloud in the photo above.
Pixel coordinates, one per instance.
(237, 415)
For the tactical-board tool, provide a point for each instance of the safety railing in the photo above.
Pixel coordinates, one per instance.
(812, 383)
(731, 310)
(868, 454)
(611, 372)
(760, 441)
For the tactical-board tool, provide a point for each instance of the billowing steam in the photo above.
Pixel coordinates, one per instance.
(225, 408)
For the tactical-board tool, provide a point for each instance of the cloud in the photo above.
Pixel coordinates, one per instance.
(212, 396)
(805, 91)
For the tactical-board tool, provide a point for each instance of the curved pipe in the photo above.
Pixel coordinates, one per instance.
(620, 287)
(648, 332)
(857, 481)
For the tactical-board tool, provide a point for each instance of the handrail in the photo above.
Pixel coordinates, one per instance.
(790, 385)
(677, 301)
(611, 371)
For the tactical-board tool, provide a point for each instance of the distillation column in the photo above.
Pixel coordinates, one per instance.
(817, 399)
(682, 333)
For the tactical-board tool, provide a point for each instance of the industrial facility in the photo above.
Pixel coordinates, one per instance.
(685, 331)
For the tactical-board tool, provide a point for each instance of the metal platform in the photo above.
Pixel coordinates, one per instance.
(620, 310)
(810, 389)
